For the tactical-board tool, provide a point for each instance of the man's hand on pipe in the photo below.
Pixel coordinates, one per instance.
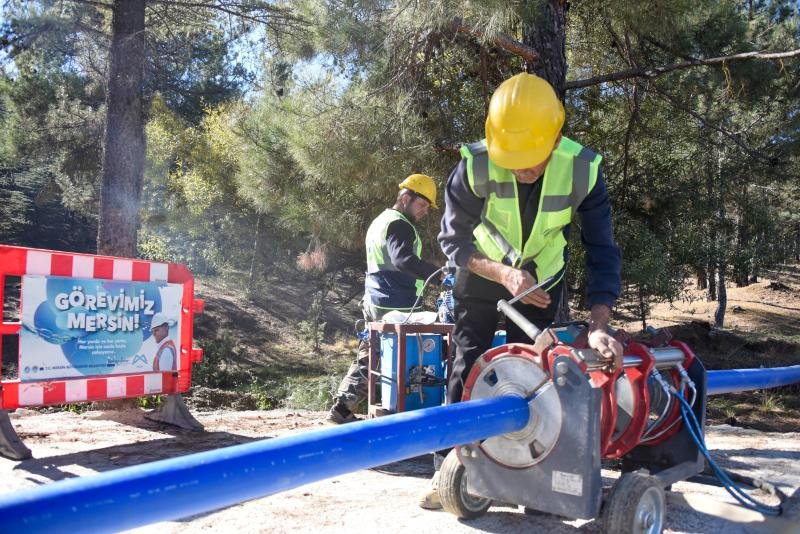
(600, 340)
(609, 348)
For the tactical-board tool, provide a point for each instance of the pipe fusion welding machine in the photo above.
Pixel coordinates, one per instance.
(581, 412)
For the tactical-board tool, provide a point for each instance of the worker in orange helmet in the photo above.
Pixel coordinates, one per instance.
(508, 207)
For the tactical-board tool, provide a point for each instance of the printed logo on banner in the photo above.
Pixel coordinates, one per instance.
(75, 327)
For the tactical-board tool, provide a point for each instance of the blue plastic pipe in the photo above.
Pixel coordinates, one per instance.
(735, 380)
(179, 487)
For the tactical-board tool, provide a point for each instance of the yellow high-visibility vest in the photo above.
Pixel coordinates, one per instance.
(569, 177)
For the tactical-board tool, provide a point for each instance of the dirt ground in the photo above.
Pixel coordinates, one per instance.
(761, 329)
(771, 305)
(66, 444)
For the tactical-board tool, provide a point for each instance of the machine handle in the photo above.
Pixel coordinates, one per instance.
(528, 327)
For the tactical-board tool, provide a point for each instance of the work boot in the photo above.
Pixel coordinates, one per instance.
(340, 415)
(430, 499)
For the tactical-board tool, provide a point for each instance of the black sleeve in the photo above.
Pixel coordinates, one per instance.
(400, 244)
(603, 256)
(462, 213)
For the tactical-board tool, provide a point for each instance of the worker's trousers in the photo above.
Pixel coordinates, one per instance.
(353, 388)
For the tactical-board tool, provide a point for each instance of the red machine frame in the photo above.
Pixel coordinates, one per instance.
(637, 376)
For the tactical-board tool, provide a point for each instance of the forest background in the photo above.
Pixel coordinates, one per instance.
(255, 140)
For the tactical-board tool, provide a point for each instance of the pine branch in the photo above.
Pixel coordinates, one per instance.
(502, 41)
(95, 3)
(753, 153)
(530, 55)
(652, 72)
(262, 13)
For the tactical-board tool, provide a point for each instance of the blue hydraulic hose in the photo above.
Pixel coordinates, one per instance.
(695, 430)
(735, 380)
(179, 487)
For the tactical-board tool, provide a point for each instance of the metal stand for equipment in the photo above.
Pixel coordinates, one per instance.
(566, 484)
(374, 409)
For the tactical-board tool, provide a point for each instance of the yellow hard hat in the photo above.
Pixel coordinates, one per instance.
(524, 120)
(423, 185)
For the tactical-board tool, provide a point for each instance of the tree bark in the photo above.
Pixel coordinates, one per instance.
(722, 297)
(712, 243)
(712, 282)
(546, 32)
(642, 309)
(702, 279)
(722, 246)
(797, 242)
(741, 271)
(123, 157)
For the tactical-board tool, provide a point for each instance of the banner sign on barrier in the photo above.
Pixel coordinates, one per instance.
(75, 327)
(96, 327)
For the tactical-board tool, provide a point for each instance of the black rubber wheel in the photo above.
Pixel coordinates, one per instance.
(636, 505)
(453, 490)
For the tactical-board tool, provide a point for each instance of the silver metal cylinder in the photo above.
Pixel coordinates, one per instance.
(665, 357)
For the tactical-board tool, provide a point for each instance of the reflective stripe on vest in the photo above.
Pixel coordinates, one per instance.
(378, 254)
(569, 177)
(167, 344)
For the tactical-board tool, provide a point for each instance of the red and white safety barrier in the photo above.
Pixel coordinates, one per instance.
(20, 261)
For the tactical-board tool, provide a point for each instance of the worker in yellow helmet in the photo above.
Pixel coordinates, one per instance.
(508, 207)
(395, 276)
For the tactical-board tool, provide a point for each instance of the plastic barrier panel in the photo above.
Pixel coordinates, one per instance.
(97, 327)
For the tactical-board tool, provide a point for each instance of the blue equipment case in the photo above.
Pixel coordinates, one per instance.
(394, 346)
(424, 371)
(421, 386)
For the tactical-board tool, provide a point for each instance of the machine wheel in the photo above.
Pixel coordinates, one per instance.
(636, 505)
(453, 490)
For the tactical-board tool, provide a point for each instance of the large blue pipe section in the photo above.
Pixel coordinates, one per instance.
(736, 380)
(180, 487)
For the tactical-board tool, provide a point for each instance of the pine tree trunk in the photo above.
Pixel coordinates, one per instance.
(797, 243)
(721, 247)
(754, 272)
(545, 31)
(123, 158)
(642, 309)
(711, 236)
(741, 272)
(712, 285)
(702, 279)
(722, 293)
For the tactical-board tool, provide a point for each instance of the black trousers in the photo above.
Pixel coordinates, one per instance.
(477, 319)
